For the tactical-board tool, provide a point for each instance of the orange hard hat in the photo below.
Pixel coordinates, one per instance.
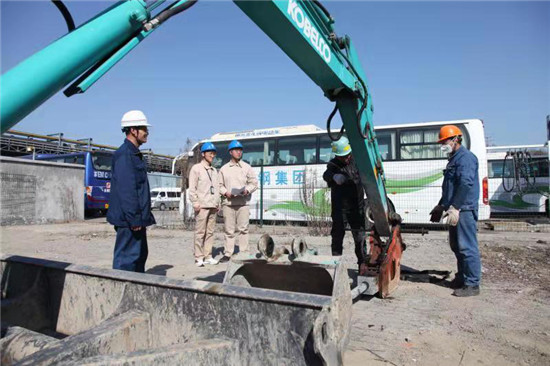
(447, 132)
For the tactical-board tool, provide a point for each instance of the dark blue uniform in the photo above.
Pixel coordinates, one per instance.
(461, 190)
(130, 206)
(347, 207)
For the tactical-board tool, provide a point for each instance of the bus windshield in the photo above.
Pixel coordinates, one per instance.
(102, 161)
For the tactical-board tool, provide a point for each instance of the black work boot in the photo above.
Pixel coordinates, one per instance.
(466, 291)
(456, 283)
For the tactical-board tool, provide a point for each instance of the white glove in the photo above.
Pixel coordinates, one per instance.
(452, 215)
(339, 179)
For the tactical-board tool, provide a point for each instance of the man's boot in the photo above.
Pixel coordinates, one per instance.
(466, 291)
(456, 283)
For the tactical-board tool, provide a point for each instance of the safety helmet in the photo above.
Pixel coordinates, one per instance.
(208, 146)
(134, 119)
(447, 132)
(234, 145)
(341, 147)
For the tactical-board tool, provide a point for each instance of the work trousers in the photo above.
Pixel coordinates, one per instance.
(356, 221)
(130, 249)
(463, 241)
(205, 221)
(236, 220)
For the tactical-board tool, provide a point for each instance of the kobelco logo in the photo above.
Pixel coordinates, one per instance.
(303, 22)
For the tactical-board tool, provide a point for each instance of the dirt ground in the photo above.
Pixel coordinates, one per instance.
(421, 324)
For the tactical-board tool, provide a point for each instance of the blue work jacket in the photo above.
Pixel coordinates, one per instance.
(130, 201)
(461, 181)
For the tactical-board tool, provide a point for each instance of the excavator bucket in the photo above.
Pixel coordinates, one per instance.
(61, 313)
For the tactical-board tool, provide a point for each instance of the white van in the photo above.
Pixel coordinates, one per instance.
(165, 198)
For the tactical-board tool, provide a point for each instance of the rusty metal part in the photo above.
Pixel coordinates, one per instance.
(384, 263)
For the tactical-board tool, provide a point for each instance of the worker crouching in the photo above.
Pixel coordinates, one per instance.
(347, 200)
(459, 204)
(204, 195)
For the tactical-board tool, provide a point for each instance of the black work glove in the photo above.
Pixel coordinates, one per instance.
(436, 213)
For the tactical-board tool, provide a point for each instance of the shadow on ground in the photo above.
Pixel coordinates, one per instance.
(159, 269)
(217, 277)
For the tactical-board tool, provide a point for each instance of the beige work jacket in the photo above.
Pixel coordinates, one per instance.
(235, 178)
(204, 185)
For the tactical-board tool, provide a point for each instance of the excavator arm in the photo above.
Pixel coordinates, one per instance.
(302, 29)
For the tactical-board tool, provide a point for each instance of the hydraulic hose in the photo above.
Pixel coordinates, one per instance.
(509, 157)
(364, 100)
(323, 9)
(66, 14)
(329, 120)
(168, 13)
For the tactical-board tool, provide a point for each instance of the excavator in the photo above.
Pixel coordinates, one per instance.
(285, 304)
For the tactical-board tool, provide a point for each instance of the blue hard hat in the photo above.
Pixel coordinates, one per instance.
(208, 146)
(234, 145)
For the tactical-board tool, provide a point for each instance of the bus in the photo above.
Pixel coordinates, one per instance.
(290, 162)
(97, 176)
(518, 180)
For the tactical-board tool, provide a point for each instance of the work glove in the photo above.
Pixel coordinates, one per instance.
(452, 215)
(436, 213)
(339, 179)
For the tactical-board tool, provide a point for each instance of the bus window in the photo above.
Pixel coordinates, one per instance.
(325, 149)
(102, 161)
(540, 167)
(172, 194)
(420, 144)
(78, 159)
(162, 194)
(259, 152)
(496, 169)
(222, 155)
(297, 150)
(386, 144)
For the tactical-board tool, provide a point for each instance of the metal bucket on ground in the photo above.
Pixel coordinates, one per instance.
(61, 313)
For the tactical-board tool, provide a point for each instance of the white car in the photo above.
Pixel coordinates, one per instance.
(165, 198)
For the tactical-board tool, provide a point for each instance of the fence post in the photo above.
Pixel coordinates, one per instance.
(261, 195)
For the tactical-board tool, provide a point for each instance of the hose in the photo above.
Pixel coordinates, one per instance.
(168, 13)
(365, 100)
(509, 157)
(329, 120)
(323, 9)
(66, 14)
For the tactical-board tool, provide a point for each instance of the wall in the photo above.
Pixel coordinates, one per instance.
(38, 192)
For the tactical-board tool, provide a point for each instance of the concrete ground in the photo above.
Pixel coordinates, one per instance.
(421, 324)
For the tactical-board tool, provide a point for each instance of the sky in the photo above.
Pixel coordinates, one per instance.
(211, 69)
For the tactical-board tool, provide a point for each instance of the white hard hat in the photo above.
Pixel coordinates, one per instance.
(134, 119)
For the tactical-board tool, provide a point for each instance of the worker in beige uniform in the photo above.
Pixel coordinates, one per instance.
(204, 194)
(237, 183)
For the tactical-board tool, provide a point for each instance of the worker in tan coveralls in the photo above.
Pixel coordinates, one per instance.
(237, 183)
(204, 194)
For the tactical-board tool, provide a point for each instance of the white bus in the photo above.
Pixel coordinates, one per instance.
(518, 183)
(293, 160)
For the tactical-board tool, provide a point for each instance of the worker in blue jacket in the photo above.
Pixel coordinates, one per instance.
(130, 201)
(459, 203)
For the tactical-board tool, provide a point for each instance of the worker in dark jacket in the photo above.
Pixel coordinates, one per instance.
(347, 199)
(130, 201)
(459, 203)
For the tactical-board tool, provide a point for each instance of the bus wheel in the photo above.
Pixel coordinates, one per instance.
(162, 207)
